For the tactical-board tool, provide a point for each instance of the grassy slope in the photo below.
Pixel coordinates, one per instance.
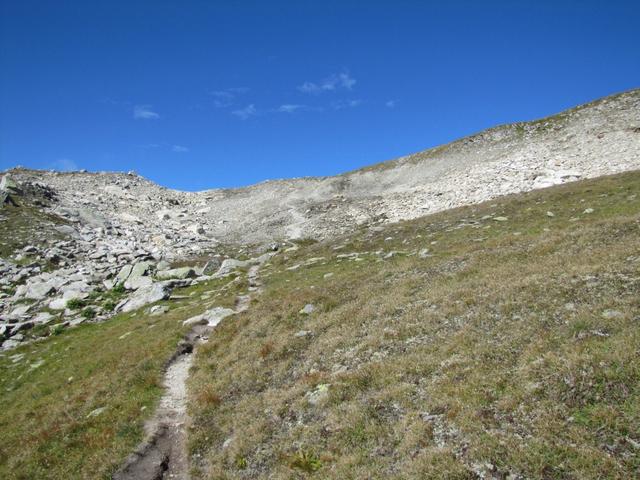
(49, 390)
(26, 225)
(513, 349)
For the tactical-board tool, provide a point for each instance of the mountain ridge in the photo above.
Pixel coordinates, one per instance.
(427, 151)
(597, 138)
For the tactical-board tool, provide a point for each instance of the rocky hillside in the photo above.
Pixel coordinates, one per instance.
(496, 341)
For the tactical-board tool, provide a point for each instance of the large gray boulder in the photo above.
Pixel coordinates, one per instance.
(9, 186)
(38, 291)
(139, 276)
(146, 295)
(211, 266)
(231, 264)
(123, 275)
(179, 273)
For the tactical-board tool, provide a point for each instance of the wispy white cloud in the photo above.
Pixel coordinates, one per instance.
(226, 98)
(390, 103)
(222, 99)
(144, 112)
(165, 146)
(342, 104)
(331, 83)
(65, 165)
(114, 101)
(290, 108)
(246, 112)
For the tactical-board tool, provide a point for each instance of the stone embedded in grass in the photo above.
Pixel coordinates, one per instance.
(303, 333)
(550, 214)
(500, 219)
(215, 315)
(158, 310)
(588, 210)
(307, 309)
(319, 394)
(11, 343)
(211, 317)
(96, 412)
(195, 320)
(611, 314)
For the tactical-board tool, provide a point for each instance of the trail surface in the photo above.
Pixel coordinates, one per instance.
(164, 455)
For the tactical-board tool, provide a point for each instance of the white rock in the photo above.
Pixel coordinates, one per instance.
(144, 296)
(307, 309)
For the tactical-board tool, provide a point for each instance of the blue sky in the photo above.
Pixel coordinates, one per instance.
(204, 94)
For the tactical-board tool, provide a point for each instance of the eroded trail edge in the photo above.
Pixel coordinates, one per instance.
(164, 454)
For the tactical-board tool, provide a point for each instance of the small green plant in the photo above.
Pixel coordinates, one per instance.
(57, 329)
(306, 461)
(118, 289)
(95, 294)
(109, 305)
(76, 304)
(240, 462)
(88, 313)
